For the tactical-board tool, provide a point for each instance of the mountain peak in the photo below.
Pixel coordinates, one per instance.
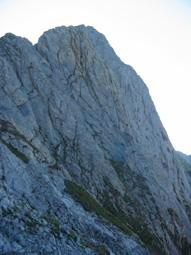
(86, 164)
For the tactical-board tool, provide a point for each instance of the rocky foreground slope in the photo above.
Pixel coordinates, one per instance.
(86, 166)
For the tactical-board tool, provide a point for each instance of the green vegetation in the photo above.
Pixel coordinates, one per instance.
(90, 204)
(119, 168)
(116, 217)
(54, 224)
(136, 221)
(15, 151)
(31, 223)
(10, 213)
(108, 204)
(72, 235)
(110, 209)
(100, 249)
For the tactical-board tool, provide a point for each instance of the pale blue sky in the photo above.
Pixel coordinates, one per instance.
(154, 36)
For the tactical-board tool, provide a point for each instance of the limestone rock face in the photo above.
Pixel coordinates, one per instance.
(86, 166)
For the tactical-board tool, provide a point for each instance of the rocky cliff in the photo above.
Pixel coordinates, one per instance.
(86, 166)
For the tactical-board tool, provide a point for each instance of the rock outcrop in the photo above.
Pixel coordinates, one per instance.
(185, 157)
(86, 166)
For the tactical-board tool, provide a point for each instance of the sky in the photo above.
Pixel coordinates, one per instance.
(153, 36)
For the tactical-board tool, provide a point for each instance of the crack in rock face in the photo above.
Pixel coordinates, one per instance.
(86, 166)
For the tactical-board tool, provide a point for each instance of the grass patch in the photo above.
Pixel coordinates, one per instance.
(135, 220)
(90, 204)
(119, 168)
(15, 151)
(118, 218)
(100, 249)
(72, 235)
(31, 223)
(109, 209)
(54, 224)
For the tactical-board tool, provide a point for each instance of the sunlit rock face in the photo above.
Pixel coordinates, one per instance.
(86, 166)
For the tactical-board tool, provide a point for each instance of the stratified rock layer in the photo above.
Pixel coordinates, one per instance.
(86, 166)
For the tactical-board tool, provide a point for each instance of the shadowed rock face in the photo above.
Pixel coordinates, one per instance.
(86, 166)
